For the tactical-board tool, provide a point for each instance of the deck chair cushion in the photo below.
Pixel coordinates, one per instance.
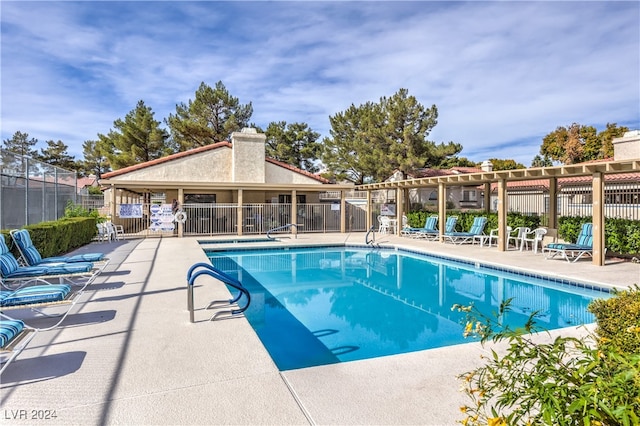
(35, 294)
(9, 267)
(66, 268)
(9, 329)
(33, 256)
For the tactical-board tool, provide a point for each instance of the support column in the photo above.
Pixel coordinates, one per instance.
(368, 222)
(294, 211)
(553, 203)
(239, 213)
(503, 238)
(598, 219)
(112, 202)
(180, 203)
(399, 208)
(487, 197)
(442, 210)
(343, 211)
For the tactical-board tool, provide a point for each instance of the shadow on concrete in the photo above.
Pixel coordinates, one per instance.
(41, 368)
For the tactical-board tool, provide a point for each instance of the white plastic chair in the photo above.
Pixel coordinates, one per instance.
(384, 224)
(103, 232)
(493, 236)
(520, 232)
(115, 231)
(534, 237)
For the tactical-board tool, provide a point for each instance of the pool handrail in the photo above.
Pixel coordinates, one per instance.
(206, 269)
(288, 225)
(371, 231)
(210, 267)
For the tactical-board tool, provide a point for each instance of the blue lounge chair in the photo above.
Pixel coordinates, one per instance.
(449, 226)
(429, 226)
(572, 252)
(477, 228)
(38, 297)
(15, 335)
(30, 255)
(11, 272)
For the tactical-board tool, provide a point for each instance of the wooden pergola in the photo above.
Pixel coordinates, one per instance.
(597, 171)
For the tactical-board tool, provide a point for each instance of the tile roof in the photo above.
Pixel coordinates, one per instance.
(166, 159)
(570, 181)
(297, 170)
(200, 150)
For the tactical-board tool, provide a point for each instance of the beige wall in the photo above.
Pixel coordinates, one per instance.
(209, 166)
(627, 147)
(277, 174)
(248, 156)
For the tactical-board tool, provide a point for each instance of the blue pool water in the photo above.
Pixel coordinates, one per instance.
(316, 306)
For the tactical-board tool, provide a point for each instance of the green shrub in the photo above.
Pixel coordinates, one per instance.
(76, 210)
(465, 219)
(618, 320)
(59, 237)
(569, 381)
(622, 236)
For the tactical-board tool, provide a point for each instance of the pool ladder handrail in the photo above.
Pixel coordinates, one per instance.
(288, 225)
(372, 243)
(202, 268)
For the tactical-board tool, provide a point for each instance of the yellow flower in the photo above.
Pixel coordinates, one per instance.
(463, 409)
(496, 421)
(468, 327)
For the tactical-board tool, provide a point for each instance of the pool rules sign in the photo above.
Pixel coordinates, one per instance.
(161, 217)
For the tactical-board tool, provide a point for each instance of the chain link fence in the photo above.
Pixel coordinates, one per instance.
(32, 191)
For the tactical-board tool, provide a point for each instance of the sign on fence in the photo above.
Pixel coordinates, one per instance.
(161, 217)
(130, 211)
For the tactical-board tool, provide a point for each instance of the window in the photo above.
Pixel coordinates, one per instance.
(200, 198)
(469, 195)
(286, 199)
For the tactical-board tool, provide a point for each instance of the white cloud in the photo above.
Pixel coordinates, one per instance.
(501, 73)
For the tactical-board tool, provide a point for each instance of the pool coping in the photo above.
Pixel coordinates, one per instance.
(589, 285)
(129, 355)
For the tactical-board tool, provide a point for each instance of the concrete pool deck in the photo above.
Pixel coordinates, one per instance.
(128, 354)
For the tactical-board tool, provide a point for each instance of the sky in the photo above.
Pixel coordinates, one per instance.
(502, 74)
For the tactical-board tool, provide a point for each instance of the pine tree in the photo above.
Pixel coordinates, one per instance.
(56, 154)
(136, 139)
(295, 144)
(210, 118)
(370, 142)
(21, 144)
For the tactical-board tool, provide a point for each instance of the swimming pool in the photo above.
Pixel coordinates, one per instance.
(323, 305)
(237, 241)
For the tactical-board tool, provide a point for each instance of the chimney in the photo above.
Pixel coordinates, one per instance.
(627, 147)
(486, 166)
(248, 157)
